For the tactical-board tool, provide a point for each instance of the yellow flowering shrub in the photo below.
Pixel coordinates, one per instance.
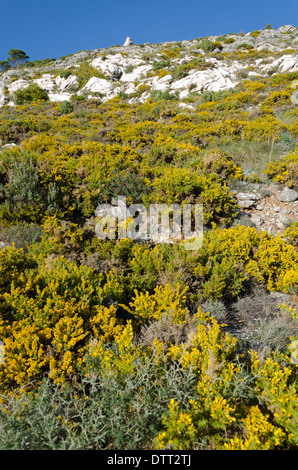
(285, 170)
(217, 413)
(267, 259)
(165, 300)
(275, 263)
(49, 313)
(180, 185)
(129, 319)
(260, 433)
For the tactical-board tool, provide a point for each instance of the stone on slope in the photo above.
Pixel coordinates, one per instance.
(288, 195)
(162, 83)
(2, 95)
(98, 85)
(128, 42)
(64, 83)
(137, 74)
(287, 28)
(57, 97)
(246, 200)
(18, 85)
(46, 82)
(207, 80)
(116, 73)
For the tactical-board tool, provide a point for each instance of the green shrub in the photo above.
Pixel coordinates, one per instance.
(160, 64)
(64, 74)
(106, 411)
(32, 93)
(65, 107)
(208, 46)
(244, 45)
(86, 71)
(158, 95)
(229, 41)
(21, 235)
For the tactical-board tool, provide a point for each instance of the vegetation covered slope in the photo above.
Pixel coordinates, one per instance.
(119, 344)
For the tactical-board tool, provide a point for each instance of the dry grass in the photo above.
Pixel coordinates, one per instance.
(260, 324)
(168, 332)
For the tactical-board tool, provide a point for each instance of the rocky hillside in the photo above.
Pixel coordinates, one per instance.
(160, 347)
(182, 68)
(184, 71)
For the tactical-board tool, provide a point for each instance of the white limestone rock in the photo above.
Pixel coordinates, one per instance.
(64, 83)
(57, 97)
(98, 85)
(107, 63)
(162, 83)
(257, 220)
(128, 88)
(267, 45)
(288, 195)
(128, 42)
(288, 64)
(286, 28)
(245, 196)
(186, 106)
(46, 82)
(9, 146)
(18, 85)
(2, 95)
(207, 80)
(284, 64)
(139, 73)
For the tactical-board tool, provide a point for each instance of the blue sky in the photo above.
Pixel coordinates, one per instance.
(55, 28)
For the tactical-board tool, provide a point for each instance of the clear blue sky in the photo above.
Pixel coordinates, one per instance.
(53, 28)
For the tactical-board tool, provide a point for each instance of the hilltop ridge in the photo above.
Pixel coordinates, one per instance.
(182, 68)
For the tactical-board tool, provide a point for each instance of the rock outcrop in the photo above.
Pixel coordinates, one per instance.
(126, 68)
(128, 42)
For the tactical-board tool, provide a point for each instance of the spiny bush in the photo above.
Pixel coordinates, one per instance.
(103, 412)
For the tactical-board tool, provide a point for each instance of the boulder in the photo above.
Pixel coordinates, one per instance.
(294, 97)
(137, 74)
(2, 96)
(246, 196)
(46, 82)
(162, 83)
(128, 42)
(64, 83)
(57, 97)
(9, 146)
(246, 200)
(288, 64)
(288, 195)
(98, 85)
(18, 85)
(246, 203)
(216, 79)
(257, 220)
(287, 28)
(116, 73)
